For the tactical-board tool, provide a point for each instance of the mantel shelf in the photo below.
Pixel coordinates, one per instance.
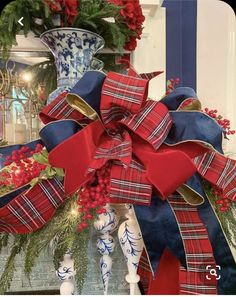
(150, 6)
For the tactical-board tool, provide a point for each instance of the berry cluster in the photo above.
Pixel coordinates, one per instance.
(222, 200)
(171, 85)
(224, 123)
(94, 196)
(23, 168)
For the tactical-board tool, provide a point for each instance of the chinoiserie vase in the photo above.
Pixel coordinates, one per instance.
(73, 50)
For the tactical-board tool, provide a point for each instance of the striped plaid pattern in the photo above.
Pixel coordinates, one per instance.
(129, 185)
(144, 271)
(59, 109)
(121, 94)
(197, 247)
(220, 171)
(134, 73)
(150, 75)
(32, 209)
(152, 123)
(117, 147)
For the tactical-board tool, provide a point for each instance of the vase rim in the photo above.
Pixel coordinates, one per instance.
(71, 28)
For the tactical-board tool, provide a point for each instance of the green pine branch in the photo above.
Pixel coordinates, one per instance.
(227, 219)
(92, 16)
(8, 273)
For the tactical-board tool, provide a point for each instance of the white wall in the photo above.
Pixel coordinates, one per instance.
(150, 54)
(216, 60)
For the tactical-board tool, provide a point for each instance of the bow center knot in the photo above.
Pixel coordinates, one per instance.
(113, 132)
(114, 145)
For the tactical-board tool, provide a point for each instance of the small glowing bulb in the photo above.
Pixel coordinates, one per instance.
(18, 172)
(27, 76)
(74, 212)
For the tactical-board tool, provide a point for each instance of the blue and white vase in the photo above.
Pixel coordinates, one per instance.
(73, 50)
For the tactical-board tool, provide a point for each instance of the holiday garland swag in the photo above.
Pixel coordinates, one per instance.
(32, 175)
(121, 31)
(106, 142)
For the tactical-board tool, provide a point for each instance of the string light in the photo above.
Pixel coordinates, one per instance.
(27, 76)
(74, 212)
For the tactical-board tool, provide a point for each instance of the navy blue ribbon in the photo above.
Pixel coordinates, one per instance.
(160, 231)
(157, 222)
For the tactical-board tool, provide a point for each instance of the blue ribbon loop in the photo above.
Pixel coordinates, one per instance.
(57, 132)
(157, 222)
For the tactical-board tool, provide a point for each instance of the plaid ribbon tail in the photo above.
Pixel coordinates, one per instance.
(194, 278)
(198, 250)
(219, 171)
(32, 209)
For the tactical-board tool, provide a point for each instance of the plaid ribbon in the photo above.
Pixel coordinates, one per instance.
(198, 252)
(117, 147)
(197, 247)
(145, 272)
(220, 171)
(133, 126)
(59, 109)
(129, 185)
(33, 208)
(122, 95)
(123, 107)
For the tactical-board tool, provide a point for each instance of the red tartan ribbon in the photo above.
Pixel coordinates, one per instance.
(191, 280)
(198, 250)
(32, 209)
(131, 133)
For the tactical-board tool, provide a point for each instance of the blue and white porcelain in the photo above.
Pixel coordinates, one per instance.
(108, 221)
(73, 50)
(105, 244)
(66, 274)
(105, 268)
(106, 224)
(132, 245)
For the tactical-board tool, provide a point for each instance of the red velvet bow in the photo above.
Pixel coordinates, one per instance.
(131, 134)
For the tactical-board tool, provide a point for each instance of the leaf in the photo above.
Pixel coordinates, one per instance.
(59, 172)
(34, 181)
(50, 172)
(41, 158)
(46, 11)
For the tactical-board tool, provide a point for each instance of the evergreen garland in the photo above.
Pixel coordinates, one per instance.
(61, 233)
(92, 15)
(18, 245)
(227, 219)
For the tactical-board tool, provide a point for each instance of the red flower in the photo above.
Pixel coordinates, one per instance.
(131, 45)
(71, 10)
(116, 2)
(54, 6)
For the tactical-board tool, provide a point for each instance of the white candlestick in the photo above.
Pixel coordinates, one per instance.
(132, 245)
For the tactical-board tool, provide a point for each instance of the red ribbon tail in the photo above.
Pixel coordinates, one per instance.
(167, 279)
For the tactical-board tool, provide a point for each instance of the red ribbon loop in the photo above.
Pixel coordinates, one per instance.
(132, 136)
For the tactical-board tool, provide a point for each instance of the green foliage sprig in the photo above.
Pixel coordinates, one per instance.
(92, 15)
(227, 219)
(60, 233)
